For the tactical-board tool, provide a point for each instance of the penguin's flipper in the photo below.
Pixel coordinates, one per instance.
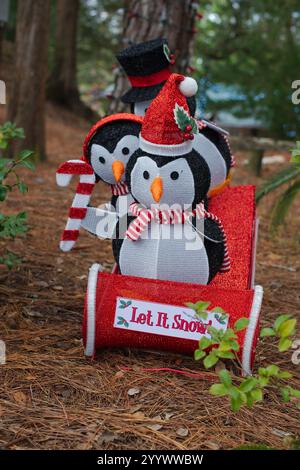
(121, 228)
(101, 221)
(214, 246)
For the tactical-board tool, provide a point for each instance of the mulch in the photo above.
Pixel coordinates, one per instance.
(52, 397)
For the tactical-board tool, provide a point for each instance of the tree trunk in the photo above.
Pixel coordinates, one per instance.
(4, 9)
(62, 85)
(143, 21)
(2, 29)
(26, 106)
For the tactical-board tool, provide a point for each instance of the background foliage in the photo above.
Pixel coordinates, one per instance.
(254, 47)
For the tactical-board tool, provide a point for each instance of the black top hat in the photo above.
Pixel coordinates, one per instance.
(147, 67)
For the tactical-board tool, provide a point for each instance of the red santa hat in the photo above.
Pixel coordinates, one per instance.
(107, 120)
(168, 128)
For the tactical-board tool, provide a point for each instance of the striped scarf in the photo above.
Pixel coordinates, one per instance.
(168, 216)
(119, 189)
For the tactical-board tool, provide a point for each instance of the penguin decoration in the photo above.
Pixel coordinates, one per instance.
(170, 235)
(147, 66)
(107, 148)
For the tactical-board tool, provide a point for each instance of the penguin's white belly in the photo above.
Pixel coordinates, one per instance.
(174, 253)
(213, 158)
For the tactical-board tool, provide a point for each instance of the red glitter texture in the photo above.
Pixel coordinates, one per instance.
(73, 168)
(159, 126)
(235, 207)
(110, 286)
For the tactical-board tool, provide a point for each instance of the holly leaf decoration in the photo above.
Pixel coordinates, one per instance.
(222, 318)
(124, 304)
(167, 52)
(183, 119)
(123, 322)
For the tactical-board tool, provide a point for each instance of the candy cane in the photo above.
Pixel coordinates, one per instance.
(81, 199)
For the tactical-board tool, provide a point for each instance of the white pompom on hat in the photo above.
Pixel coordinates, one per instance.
(188, 87)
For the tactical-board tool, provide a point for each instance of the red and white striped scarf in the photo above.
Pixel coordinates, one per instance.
(169, 216)
(119, 189)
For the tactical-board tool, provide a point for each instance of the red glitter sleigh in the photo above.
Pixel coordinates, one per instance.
(113, 300)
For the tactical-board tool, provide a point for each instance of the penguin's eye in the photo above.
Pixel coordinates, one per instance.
(174, 175)
(101, 159)
(125, 150)
(146, 175)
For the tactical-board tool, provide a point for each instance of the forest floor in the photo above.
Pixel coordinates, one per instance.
(52, 397)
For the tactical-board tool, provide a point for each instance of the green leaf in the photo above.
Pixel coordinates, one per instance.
(225, 354)
(283, 205)
(22, 187)
(284, 344)
(202, 305)
(267, 332)
(3, 193)
(287, 328)
(250, 400)
(280, 320)
(230, 334)
(294, 392)
(10, 259)
(199, 354)
(218, 310)
(28, 164)
(248, 384)
(257, 394)
(285, 393)
(24, 154)
(284, 375)
(225, 377)
(236, 402)
(279, 179)
(204, 343)
(272, 370)
(241, 324)
(182, 117)
(225, 346)
(218, 390)
(263, 381)
(210, 360)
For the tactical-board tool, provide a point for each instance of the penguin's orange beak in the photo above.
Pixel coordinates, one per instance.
(118, 170)
(157, 188)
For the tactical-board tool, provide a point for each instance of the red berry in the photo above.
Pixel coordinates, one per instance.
(191, 136)
(186, 136)
(172, 62)
(188, 128)
(172, 56)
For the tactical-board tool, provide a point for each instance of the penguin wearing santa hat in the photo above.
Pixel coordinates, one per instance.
(147, 66)
(107, 148)
(170, 235)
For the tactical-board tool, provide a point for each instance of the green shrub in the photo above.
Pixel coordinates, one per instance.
(15, 224)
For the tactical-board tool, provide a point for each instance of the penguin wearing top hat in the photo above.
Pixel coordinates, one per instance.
(147, 66)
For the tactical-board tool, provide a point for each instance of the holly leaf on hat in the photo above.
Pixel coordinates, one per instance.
(167, 52)
(183, 119)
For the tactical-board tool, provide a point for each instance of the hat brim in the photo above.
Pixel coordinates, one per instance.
(137, 94)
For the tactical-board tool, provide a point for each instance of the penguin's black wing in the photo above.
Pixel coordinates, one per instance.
(214, 246)
(220, 141)
(113, 201)
(117, 242)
